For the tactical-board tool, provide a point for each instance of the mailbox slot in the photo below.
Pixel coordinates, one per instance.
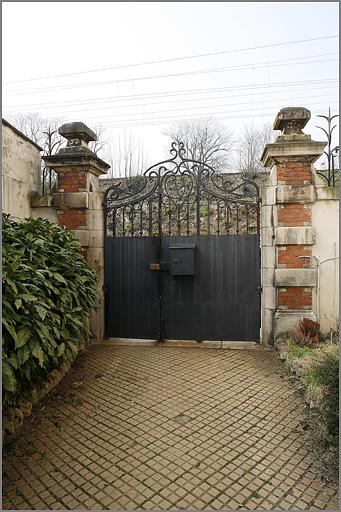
(182, 260)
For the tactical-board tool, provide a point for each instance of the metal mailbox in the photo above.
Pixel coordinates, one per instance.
(182, 260)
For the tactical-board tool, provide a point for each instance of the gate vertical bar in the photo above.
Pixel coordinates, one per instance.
(160, 280)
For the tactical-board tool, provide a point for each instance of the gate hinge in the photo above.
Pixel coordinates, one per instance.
(259, 289)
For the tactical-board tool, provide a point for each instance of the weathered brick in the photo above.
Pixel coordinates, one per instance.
(72, 181)
(72, 218)
(290, 256)
(294, 214)
(294, 298)
(294, 173)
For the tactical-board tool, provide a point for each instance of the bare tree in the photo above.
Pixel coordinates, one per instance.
(127, 157)
(207, 141)
(251, 144)
(99, 146)
(44, 132)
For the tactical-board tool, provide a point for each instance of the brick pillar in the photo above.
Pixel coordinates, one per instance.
(287, 237)
(79, 202)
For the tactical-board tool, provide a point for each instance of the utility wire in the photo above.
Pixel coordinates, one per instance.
(184, 92)
(208, 114)
(172, 59)
(176, 119)
(204, 106)
(244, 67)
(230, 96)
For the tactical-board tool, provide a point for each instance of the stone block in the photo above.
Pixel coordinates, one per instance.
(268, 257)
(95, 258)
(240, 345)
(267, 327)
(79, 200)
(95, 220)
(286, 320)
(269, 297)
(305, 235)
(268, 276)
(268, 195)
(267, 236)
(83, 236)
(307, 150)
(295, 194)
(273, 176)
(287, 277)
(126, 342)
(96, 200)
(96, 238)
(49, 213)
(37, 201)
(266, 216)
(327, 193)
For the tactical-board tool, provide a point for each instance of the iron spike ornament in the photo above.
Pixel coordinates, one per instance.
(181, 196)
(331, 152)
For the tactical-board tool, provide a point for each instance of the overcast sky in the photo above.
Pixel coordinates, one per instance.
(64, 38)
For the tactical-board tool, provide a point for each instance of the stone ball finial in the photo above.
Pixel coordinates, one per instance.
(291, 120)
(77, 134)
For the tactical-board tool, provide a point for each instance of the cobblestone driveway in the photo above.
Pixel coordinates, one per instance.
(167, 428)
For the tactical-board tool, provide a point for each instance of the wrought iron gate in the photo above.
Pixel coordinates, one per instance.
(182, 254)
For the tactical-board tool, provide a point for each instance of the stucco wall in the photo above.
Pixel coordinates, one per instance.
(20, 173)
(325, 218)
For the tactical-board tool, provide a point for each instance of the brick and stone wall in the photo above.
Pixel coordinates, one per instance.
(290, 275)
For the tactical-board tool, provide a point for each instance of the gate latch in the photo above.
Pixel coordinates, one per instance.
(259, 290)
(154, 266)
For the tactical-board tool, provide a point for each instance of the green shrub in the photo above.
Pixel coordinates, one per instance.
(324, 372)
(48, 290)
(299, 352)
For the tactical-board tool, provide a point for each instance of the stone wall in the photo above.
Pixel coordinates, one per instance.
(20, 171)
(21, 168)
(325, 220)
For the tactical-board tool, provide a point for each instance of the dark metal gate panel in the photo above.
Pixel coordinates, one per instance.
(200, 229)
(221, 300)
(132, 290)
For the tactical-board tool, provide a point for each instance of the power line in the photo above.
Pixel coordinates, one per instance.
(186, 92)
(246, 67)
(205, 106)
(155, 121)
(173, 59)
(176, 119)
(178, 93)
(106, 107)
(183, 92)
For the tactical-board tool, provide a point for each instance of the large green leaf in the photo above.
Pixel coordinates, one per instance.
(8, 378)
(42, 312)
(39, 354)
(59, 278)
(23, 336)
(10, 329)
(61, 349)
(27, 297)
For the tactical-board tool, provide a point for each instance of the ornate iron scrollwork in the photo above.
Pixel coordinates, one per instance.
(180, 196)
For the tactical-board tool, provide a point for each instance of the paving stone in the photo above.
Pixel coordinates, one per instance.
(166, 428)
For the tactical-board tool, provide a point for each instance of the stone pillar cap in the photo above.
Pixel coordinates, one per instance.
(77, 130)
(291, 120)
